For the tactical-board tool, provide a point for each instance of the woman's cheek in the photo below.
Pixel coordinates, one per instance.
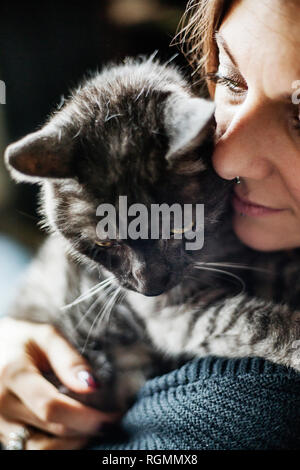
(223, 121)
(223, 114)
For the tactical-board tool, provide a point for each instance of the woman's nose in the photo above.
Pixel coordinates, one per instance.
(245, 147)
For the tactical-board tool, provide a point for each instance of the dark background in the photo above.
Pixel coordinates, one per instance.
(45, 49)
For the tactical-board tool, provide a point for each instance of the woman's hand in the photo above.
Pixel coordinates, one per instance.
(27, 398)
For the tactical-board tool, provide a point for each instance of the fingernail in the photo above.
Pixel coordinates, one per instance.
(87, 379)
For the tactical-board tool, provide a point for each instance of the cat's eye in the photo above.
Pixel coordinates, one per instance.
(183, 229)
(104, 244)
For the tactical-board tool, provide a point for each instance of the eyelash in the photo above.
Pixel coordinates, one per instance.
(233, 86)
(236, 89)
(296, 122)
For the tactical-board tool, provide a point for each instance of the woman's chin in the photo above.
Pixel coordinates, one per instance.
(262, 235)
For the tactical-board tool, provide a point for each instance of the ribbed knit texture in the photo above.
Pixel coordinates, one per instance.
(215, 404)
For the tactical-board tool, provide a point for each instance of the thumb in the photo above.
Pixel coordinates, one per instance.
(70, 367)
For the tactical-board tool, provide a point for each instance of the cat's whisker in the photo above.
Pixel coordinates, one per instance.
(92, 291)
(227, 273)
(102, 285)
(118, 298)
(121, 297)
(89, 333)
(109, 305)
(100, 315)
(86, 314)
(106, 291)
(235, 265)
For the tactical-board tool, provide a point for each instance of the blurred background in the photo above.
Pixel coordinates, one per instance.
(45, 49)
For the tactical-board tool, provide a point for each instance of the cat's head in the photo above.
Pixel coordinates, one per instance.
(135, 130)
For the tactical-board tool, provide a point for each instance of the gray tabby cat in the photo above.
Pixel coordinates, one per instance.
(136, 308)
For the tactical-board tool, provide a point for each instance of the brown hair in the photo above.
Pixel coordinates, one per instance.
(197, 27)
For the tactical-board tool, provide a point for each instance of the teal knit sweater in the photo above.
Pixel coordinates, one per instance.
(215, 404)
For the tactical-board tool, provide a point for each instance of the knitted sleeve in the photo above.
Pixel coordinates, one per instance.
(215, 404)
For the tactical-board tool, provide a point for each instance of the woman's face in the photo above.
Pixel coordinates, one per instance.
(258, 127)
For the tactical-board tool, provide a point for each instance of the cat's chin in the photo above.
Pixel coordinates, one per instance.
(156, 291)
(147, 293)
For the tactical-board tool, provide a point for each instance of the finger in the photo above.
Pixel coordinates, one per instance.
(69, 366)
(11, 407)
(40, 441)
(6, 428)
(44, 400)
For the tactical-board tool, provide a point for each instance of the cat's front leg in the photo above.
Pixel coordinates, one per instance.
(237, 326)
(42, 292)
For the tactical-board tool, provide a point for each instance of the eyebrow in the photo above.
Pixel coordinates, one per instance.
(221, 41)
(285, 97)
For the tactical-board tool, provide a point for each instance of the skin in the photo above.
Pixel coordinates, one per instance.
(257, 133)
(26, 349)
(257, 139)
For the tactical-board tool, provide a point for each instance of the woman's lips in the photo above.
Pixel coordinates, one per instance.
(245, 207)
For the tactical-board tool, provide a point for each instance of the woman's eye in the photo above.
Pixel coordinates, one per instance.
(238, 88)
(295, 120)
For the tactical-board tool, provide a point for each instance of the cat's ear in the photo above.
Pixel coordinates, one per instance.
(187, 120)
(42, 154)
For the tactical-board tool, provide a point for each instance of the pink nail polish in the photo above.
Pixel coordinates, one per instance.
(86, 377)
